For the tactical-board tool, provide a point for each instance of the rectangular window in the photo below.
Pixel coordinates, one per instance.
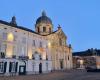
(1, 67)
(60, 42)
(44, 29)
(23, 50)
(40, 44)
(4, 36)
(24, 40)
(33, 44)
(15, 37)
(12, 66)
(14, 50)
(3, 48)
(49, 30)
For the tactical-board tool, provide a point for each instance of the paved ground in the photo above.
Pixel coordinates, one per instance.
(59, 75)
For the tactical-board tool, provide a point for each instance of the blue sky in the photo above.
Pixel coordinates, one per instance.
(79, 19)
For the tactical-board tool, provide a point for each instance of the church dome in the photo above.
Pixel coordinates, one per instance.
(44, 19)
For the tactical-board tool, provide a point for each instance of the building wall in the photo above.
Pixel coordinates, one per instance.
(15, 42)
(22, 43)
(60, 52)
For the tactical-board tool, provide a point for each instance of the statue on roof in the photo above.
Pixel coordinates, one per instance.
(13, 21)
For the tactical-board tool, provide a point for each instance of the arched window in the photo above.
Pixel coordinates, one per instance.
(68, 57)
(44, 29)
(38, 29)
(60, 42)
(49, 30)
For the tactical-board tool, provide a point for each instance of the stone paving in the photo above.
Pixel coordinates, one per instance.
(58, 75)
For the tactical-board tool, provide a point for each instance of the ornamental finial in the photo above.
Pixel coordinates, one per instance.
(43, 13)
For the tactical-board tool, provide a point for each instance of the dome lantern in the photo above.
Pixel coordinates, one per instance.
(43, 13)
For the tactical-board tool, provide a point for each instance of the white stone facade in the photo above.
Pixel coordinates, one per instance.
(24, 51)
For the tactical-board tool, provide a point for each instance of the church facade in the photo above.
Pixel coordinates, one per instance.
(24, 51)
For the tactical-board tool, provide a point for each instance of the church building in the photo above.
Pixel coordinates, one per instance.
(25, 51)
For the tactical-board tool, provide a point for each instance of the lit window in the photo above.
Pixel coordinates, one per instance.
(10, 37)
(49, 44)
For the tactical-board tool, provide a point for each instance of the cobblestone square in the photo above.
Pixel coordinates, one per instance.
(58, 75)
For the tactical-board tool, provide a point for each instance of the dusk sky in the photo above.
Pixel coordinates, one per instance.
(79, 19)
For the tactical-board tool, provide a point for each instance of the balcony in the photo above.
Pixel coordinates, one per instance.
(23, 57)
